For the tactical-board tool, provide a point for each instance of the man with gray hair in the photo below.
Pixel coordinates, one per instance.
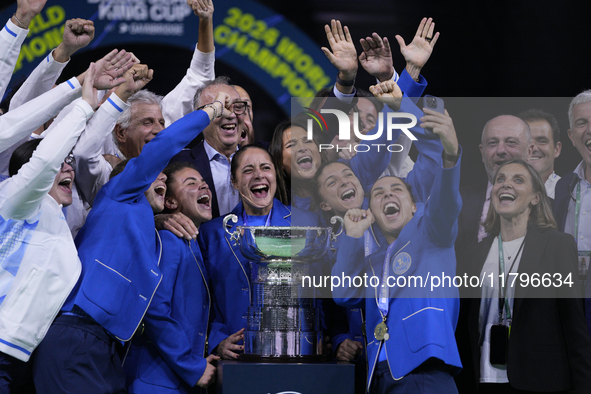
(212, 156)
(573, 191)
(545, 133)
(143, 114)
(504, 138)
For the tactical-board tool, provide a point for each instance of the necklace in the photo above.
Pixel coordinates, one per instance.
(517, 248)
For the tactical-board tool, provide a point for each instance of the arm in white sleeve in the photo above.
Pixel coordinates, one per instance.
(21, 195)
(11, 40)
(20, 123)
(92, 170)
(179, 102)
(41, 80)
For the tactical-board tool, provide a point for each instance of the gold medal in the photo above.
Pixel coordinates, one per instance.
(380, 331)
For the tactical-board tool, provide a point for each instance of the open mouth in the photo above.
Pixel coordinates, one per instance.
(588, 144)
(229, 128)
(391, 208)
(348, 195)
(260, 191)
(506, 197)
(66, 185)
(160, 190)
(305, 162)
(203, 200)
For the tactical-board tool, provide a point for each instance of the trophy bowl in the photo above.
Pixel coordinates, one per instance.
(281, 243)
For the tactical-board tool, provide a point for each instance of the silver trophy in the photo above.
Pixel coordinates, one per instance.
(283, 321)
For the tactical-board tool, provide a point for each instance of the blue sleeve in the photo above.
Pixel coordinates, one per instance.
(429, 160)
(167, 334)
(443, 207)
(350, 254)
(141, 171)
(411, 88)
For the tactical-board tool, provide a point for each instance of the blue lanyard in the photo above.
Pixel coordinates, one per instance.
(384, 299)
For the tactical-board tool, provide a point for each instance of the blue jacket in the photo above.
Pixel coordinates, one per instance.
(422, 326)
(169, 356)
(117, 246)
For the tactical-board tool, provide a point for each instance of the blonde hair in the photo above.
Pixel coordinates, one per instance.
(540, 214)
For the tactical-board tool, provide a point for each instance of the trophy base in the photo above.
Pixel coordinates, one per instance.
(256, 358)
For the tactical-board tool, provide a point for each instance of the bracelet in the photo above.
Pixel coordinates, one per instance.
(19, 22)
(222, 104)
(215, 111)
(343, 82)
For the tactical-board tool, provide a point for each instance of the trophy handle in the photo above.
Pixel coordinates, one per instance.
(333, 220)
(234, 219)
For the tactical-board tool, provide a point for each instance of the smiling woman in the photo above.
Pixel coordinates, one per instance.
(546, 329)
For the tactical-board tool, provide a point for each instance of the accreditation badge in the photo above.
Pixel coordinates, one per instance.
(584, 257)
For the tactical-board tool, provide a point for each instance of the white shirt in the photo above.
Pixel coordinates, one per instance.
(227, 196)
(583, 237)
(11, 40)
(489, 304)
(551, 184)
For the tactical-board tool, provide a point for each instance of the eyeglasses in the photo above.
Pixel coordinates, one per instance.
(238, 107)
(69, 160)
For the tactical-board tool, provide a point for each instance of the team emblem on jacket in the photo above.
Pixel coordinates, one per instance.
(401, 263)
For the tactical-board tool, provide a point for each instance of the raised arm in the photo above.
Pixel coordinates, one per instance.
(141, 171)
(22, 194)
(444, 204)
(179, 102)
(92, 169)
(12, 37)
(77, 34)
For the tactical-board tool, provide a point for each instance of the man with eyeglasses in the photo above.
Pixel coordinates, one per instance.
(212, 156)
(572, 205)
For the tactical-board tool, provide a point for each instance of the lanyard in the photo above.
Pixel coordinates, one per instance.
(503, 300)
(245, 218)
(383, 300)
(577, 210)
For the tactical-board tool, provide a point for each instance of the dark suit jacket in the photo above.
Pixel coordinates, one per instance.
(198, 157)
(473, 197)
(562, 196)
(549, 347)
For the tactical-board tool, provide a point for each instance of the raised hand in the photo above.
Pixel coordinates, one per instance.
(208, 376)
(419, 50)
(78, 33)
(111, 68)
(202, 8)
(357, 221)
(388, 93)
(344, 54)
(376, 57)
(26, 10)
(443, 126)
(136, 78)
(89, 93)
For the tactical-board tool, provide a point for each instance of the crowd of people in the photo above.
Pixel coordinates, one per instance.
(117, 274)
